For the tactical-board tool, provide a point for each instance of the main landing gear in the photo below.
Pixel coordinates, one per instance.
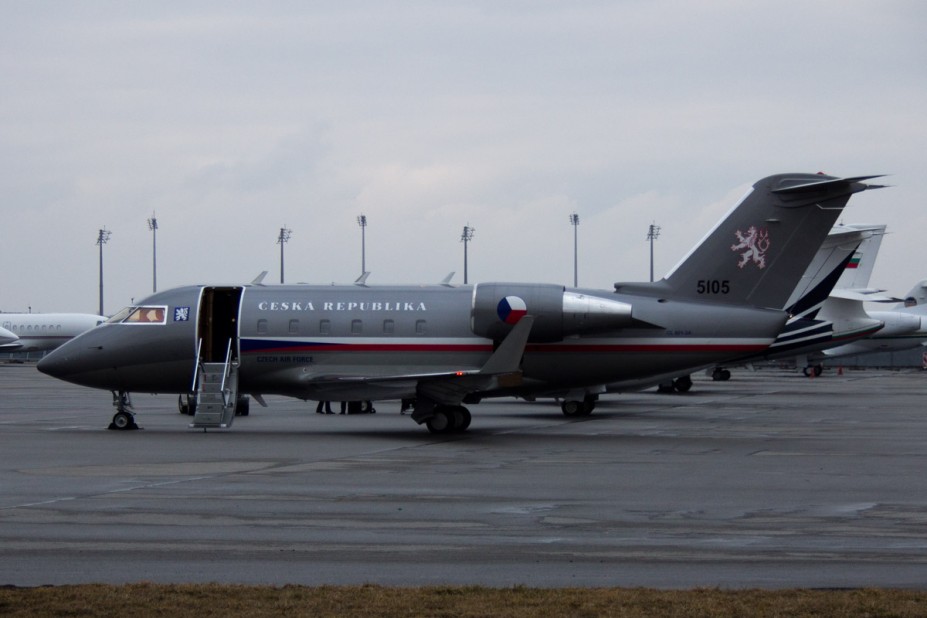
(448, 419)
(813, 371)
(574, 408)
(124, 418)
(682, 384)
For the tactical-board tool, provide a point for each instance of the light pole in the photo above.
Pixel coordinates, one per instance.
(465, 238)
(281, 240)
(362, 222)
(574, 221)
(153, 226)
(102, 238)
(652, 234)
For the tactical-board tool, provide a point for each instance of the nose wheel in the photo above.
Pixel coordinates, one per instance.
(124, 418)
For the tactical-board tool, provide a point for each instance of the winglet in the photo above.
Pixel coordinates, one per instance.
(507, 357)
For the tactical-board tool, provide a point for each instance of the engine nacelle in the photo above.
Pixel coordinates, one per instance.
(497, 307)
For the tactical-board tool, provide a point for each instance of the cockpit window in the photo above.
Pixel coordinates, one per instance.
(140, 315)
(120, 315)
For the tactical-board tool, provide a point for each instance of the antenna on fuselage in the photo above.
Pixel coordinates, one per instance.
(259, 280)
(362, 280)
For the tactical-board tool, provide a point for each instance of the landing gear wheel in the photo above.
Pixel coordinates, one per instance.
(720, 374)
(818, 370)
(123, 421)
(462, 419)
(440, 422)
(572, 407)
(243, 406)
(186, 404)
(589, 402)
(449, 419)
(683, 384)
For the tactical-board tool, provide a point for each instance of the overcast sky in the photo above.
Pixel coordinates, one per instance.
(229, 120)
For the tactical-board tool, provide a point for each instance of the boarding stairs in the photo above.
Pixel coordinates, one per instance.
(216, 388)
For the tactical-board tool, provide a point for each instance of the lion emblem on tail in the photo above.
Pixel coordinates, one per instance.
(753, 246)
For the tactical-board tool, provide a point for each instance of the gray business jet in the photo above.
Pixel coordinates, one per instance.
(439, 347)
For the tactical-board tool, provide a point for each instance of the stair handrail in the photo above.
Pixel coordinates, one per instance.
(225, 372)
(196, 365)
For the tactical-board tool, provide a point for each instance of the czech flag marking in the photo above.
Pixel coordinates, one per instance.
(511, 309)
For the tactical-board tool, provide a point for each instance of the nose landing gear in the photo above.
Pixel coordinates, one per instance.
(124, 418)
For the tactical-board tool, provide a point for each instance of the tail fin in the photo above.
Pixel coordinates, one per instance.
(859, 270)
(757, 254)
(917, 297)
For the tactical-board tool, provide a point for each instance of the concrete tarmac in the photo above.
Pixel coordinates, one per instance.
(770, 480)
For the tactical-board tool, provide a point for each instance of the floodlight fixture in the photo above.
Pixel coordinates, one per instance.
(102, 239)
(465, 238)
(652, 234)
(282, 239)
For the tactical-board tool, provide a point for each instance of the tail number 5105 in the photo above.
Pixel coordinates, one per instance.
(713, 286)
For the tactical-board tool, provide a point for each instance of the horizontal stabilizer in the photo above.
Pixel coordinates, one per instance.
(865, 295)
(827, 183)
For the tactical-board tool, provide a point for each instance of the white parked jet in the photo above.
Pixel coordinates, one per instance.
(40, 332)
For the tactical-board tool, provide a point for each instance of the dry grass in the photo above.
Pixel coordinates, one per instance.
(205, 601)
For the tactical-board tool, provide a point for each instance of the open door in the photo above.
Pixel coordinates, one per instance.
(218, 323)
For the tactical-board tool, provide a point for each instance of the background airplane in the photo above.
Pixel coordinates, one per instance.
(8, 341)
(905, 325)
(441, 347)
(40, 332)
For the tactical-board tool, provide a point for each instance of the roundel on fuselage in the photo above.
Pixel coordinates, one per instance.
(511, 309)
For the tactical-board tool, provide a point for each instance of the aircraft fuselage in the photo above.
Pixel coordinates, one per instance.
(353, 342)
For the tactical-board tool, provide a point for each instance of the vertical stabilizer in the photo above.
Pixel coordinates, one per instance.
(757, 254)
(859, 270)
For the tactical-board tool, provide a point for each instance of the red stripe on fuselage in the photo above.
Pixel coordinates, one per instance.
(542, 348)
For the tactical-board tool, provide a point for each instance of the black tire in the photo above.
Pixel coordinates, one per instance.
(683, 384)
(572, 408)
(123, 421)
(440, 422)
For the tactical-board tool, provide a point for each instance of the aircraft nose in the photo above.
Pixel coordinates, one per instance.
(61, 363)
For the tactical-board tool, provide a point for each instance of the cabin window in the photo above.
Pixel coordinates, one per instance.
(357, 327)
(262, 327)
(420, 327)
(294, 327)
(325, 327)
(389, 327)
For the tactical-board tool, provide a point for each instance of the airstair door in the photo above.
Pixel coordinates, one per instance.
(217, 365)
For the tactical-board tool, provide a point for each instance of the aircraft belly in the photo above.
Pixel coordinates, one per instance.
(591, 367)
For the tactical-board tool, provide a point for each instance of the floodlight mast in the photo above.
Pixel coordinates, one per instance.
(465, 238)
(574, 221)
(652, 234)
(153, 226)
(282, 240)
(362, 222)
(102, 239)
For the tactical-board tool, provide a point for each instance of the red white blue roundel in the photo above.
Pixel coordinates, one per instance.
(511, 309)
